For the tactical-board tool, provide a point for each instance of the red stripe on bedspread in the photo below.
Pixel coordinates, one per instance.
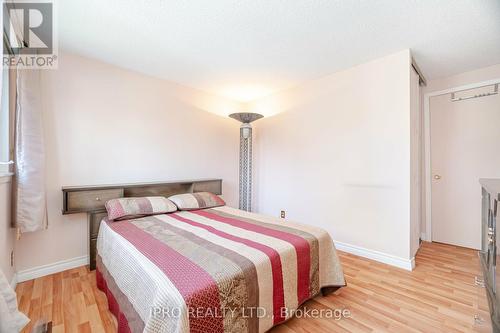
(301, 246)
(274, 258)
(113, 305)
(196, 286)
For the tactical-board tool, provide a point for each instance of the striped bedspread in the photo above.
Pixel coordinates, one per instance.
(212, 270)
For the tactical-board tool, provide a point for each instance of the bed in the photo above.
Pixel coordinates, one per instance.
(212, 270)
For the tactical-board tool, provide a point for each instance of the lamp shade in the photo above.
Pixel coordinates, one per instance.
(246, 117)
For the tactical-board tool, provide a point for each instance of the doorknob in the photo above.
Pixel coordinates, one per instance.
(437, 177)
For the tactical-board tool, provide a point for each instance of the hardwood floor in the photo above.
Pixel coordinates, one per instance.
(438, 296)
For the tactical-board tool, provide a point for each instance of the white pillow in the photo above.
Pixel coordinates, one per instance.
(198, 200)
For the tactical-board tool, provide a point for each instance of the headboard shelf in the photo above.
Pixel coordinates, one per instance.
(91, 198)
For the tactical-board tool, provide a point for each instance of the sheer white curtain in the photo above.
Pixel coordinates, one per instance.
(29, 202)
(29, 211)
(11, 320)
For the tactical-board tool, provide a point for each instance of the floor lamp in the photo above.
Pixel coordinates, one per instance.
(245, 157)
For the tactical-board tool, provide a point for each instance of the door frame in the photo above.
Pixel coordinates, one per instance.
(427, 147)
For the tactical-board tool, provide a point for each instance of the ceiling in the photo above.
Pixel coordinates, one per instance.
(246, 49)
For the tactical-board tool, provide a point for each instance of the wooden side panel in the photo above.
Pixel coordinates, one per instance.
(93, 253)
(94, 223)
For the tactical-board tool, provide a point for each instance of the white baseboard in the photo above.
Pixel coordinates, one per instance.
(423, 236)
(13, 282)
(36, 272)
(408, 264)
(56, 267)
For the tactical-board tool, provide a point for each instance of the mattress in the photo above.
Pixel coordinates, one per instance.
(212, 270)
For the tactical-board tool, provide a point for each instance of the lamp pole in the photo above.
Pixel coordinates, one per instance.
(245, 184)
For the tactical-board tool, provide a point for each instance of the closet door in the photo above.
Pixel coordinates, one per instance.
(465, 146)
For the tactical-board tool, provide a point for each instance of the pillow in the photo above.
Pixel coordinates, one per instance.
(199, 200)
(127, 208)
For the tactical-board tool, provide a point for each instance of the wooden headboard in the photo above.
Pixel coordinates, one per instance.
(91, 199)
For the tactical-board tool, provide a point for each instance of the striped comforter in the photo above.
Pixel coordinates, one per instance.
(212, 270)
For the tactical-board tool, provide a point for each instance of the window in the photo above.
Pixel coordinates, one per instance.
(5, 123)
(7, 112)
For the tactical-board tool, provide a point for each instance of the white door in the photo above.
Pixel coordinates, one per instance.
(465, 146)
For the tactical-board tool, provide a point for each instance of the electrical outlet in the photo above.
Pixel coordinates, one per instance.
(282, 214)
(12, 258)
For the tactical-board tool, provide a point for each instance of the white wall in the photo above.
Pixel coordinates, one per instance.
(339, 157)
(107, 125)
(6, 232)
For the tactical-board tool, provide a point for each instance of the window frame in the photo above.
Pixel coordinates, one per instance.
(7, 112)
